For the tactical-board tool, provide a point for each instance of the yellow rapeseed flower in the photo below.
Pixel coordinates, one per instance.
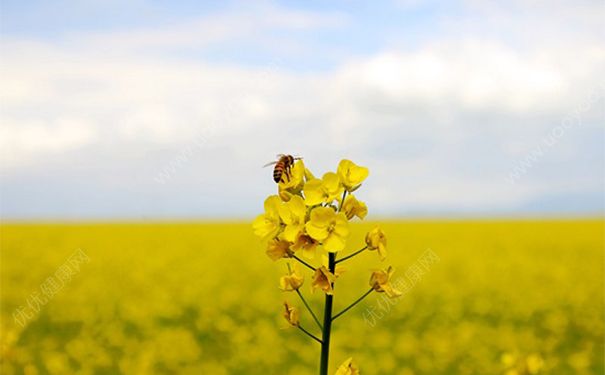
(381, 282)
(352, 207)
(306, 244)
(377, 240)
(268, 225)
(338, 270)
(348, 367)
(293, 213)
(291, 314)
(295, 182)
(321, 191)
(285, 195)
(292, 281)
(277, 249)
(351, 175)
(308, 175)
(323, 279)
(328, 227)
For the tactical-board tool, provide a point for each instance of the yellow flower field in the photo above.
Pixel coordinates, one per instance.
(497, 297)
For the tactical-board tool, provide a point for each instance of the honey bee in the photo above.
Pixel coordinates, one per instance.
(283, 164)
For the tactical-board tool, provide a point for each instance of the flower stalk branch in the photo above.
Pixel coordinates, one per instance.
(342, 202)
(352, 255)
(309, 334)
(353, 304)
(309, 308)
(303, 262)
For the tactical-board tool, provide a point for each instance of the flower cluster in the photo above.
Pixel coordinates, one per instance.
(310, 216)
(308, 212)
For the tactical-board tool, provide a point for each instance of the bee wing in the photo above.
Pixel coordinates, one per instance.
(268, 164)
(279, 156)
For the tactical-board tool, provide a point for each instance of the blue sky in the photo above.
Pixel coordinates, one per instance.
(146, 110)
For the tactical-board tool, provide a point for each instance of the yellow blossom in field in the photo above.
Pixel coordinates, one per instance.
(323, 279)
(167, 329)
(534, 363)
(306, 244)
(351, 175)
(381, 282)
(293, 214)
(377, 240)
(508, 359)
(268, 225)
(291, 314)
(352, 207)
(292, 281)
(348, 367)
(277, 249)
(321, 191)
(328, 227)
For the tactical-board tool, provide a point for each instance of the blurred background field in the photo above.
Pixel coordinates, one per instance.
(506, 297)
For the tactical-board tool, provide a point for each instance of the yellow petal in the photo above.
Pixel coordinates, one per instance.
(272, 204)
(334, 243)
(308, 175)
(285, 214)
(292, 231)
(382, 251)
(331, 186)
(285, 195)
(307, 244)
(341, 225)
(297, 207)
(313, 193)
(291, 314)
(347, 368)
(323, 279)
(264, 227)
(351, 174)
(277, 249)
(309, 251)
(292, 281)
(318, 233)
(322, 216)
(296, 180)
(352, 207)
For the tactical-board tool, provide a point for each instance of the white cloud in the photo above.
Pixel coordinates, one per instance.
(240, 23)
(476, 75)
(23, 143)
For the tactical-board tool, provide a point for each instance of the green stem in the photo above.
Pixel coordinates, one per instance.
(309, 308)
(303, 262)
(352, 255)
(353, 304)
(309, 334)
(327, 326)
(342, 202)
